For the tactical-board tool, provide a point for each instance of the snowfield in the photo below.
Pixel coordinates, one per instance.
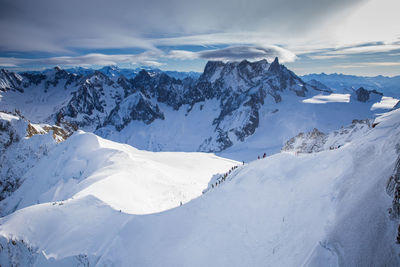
(332, 98)
(320, 209)
(123, 177)
(385, 103)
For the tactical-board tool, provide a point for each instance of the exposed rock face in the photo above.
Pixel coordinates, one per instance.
(364, 95)
(8, 134)
(59, 134)
(316, 141)
(88, 104)
(134, 107)
(10, 81)
(306, 142)
(84, 101)
(32, 78)
(160, 87)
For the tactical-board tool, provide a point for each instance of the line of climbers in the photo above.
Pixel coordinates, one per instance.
(223, 177)
(264, 156)
(334, 147)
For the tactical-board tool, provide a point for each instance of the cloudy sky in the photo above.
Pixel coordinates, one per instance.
(346, 36)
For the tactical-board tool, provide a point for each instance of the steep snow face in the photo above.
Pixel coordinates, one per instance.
(326, 208)
(146, 182)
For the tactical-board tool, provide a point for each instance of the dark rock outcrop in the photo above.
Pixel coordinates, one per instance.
(363, 95)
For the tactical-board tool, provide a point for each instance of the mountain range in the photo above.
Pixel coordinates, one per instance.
(214, 112)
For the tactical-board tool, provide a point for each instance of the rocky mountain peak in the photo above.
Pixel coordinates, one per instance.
(275, 66)
(98, 78)
(112, 70)
(10, 81)
(142, 76)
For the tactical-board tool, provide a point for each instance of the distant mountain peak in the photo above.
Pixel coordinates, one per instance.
(275, 66)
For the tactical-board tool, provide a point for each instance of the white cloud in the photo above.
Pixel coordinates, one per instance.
(365, 49)
(366, 64)
(183, 55)
(146, 58)
(373, 20)
(323, 57)
(151, 58)
(237, 53)
(57, 26)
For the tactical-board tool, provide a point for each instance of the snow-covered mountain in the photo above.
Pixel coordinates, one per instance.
(231, 107)
(330, 208)
(341, 83)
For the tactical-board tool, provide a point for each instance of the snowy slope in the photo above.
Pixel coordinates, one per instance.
(145, 182)
(321, 209)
